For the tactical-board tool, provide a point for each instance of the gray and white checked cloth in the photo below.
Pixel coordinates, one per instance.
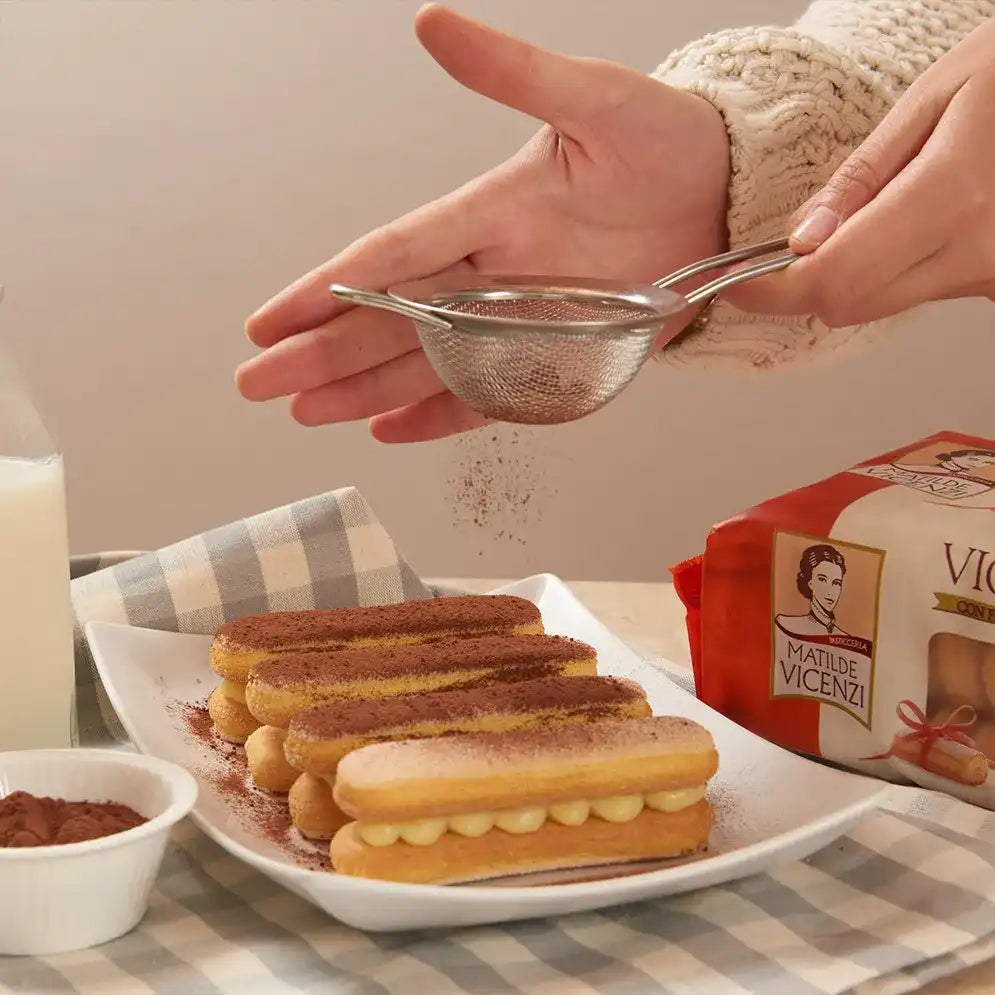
(906, 897)
(328, 551)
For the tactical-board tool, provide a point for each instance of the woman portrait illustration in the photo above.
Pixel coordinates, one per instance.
(820, 578)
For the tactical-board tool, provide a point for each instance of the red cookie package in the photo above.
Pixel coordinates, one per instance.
(854, 619)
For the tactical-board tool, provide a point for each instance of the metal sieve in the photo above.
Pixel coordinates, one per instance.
(541, 350)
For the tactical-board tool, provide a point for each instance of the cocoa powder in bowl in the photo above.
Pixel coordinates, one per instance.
(32, 820)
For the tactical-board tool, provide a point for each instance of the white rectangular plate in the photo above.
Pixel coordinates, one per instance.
(770, 805)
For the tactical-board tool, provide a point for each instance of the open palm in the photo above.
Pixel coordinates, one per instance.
(626, 179)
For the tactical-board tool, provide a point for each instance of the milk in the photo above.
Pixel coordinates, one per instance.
(36, 640)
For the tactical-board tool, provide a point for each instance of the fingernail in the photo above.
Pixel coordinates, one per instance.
(816, 227)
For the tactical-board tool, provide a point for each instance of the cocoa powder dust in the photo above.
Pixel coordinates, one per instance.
(40, 820)
(499, 487)
(262, 812)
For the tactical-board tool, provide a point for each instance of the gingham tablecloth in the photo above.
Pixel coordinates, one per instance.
(904, 898)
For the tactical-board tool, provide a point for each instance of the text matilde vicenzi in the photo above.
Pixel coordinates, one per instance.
(833, 674)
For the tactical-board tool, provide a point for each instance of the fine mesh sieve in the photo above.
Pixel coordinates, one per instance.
(540, 350)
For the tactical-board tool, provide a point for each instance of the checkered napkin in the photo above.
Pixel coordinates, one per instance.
(327, 551)
(903, 899)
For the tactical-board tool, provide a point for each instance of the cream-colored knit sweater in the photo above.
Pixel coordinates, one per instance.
(796, 102)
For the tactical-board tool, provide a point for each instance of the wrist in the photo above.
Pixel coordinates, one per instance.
(713, 158)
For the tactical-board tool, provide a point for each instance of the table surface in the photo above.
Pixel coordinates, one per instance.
(649, 618)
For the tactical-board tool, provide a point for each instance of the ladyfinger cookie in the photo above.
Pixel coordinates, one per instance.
(232, 719)
(484, 805)
(313, 811)
(267, 763)
(244, 642)
(281, 687)
(320, 737)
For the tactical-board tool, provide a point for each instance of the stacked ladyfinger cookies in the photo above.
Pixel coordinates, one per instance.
(318, 696)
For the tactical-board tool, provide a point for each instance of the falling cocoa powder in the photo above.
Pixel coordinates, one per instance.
(499, 485)
(226, 769)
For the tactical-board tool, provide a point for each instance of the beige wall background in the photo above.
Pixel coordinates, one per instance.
(166, 166)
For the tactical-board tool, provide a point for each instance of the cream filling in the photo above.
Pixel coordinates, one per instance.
(233, 691)
(615, 808)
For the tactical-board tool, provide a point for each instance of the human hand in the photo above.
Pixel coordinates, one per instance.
(909, 217)
(626, 180)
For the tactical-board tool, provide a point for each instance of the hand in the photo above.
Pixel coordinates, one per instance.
(909, 217)
(627, 179)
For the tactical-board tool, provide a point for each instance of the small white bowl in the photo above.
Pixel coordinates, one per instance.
(76, 895)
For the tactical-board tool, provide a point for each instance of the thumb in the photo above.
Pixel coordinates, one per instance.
(866, 171)
(542, 84)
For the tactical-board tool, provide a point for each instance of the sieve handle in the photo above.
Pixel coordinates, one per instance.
(737, 276)
(370, 298)
(740, 276)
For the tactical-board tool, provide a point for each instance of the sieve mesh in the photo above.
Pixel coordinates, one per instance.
(535, 370)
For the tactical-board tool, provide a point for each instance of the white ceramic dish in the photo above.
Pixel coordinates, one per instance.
(771, 805)
(76, 895)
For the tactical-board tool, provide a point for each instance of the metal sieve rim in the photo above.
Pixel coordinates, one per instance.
(655, 303)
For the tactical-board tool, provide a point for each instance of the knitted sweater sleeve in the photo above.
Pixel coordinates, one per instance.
(796, 102)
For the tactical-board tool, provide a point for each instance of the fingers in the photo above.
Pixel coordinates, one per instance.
(871, 249)
(868, 276)
(932, 279)
(427, 240)
(362, 365)
(402, 381)
(546, 85)
(359, 364)
(896, 141)
(818, 293)
(435, 417)
(355, 341)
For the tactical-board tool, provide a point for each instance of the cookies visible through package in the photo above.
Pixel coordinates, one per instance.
(854, 619)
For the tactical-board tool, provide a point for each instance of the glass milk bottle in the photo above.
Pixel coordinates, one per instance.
(36, 636)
